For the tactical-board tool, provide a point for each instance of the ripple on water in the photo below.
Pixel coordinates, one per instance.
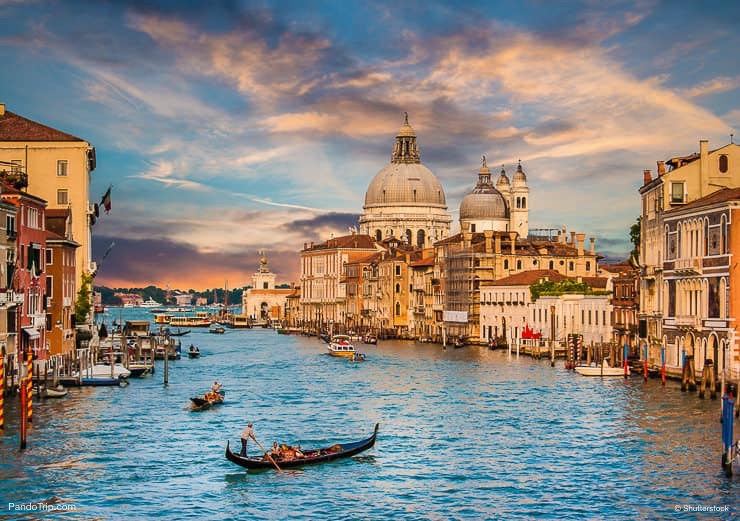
(465, 434)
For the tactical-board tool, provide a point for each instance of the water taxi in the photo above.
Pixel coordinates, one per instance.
(340, 345)
(603, 370)
(162, 319)
(241, 322)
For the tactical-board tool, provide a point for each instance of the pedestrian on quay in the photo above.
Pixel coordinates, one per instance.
(247, 433)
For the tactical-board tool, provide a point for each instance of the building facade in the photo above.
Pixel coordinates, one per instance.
(61, 282)
(58, 167)
(263, 302)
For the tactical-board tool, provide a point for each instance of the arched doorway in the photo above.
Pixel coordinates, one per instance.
(264, 311)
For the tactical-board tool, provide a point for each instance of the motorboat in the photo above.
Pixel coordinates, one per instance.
(194, 351)
(217, 328)
(150, 303)
(105, 371)
(340, 345)
(600, 370)
(52, 392)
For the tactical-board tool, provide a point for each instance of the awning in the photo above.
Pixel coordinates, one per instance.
(32, 333)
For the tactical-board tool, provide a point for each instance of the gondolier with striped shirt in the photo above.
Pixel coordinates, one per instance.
(247, 433)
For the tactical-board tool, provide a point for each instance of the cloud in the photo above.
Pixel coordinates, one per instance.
(322, 226)
(713, 86)
(161, 172)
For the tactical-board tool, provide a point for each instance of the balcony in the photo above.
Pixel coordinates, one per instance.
(11, 297)
(689, 266)
(419, 309)
(687, 321)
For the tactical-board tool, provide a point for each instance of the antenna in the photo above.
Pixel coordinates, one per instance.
(731, 140)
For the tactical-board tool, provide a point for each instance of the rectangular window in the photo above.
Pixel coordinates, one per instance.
(678, 194)
(62, 168)
(62, 197)
(49, 256)
(10, 225)
(49, 286)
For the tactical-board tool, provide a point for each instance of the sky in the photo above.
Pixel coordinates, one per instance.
(226, 128)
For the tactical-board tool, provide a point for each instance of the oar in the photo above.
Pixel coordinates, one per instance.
(267, 454)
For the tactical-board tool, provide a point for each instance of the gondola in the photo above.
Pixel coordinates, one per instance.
(311, 457)
(201, 403)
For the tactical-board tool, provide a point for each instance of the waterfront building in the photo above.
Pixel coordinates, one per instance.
(625, 304)
(323, 290)
(361, 293)
(405, 199)
(29, 276)
(679, 181)
(61, 281)
(468, 260)
(424, 321)
(129, 300)
(393, 287)
(263, 302)
(701, 295)
(183, 299)
(293, 307)
(57, 167)
(9, 299)
(505, 303)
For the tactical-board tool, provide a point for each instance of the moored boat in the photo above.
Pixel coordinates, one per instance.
(341, 346)
(603, 370)
(217, 329)
(52, 392)
(309, 457)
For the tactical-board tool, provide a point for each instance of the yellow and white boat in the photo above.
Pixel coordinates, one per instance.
(340, 345)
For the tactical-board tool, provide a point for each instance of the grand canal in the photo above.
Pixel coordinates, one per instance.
(464, 434)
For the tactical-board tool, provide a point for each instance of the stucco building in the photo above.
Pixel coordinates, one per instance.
(263, 302)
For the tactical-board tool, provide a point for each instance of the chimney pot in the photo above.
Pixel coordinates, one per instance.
(646, 177)
(661, 168)
(2, 109)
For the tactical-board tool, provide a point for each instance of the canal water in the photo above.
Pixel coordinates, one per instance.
(464, 434)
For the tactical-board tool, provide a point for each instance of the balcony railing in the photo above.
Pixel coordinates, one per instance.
(687, 321)
(689, 266)
(10, 297)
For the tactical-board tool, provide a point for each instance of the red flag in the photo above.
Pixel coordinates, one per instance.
(106, 201)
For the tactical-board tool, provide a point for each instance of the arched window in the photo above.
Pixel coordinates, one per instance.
(570, 265)
(383, 195)
(552, 265)
(678, 238)
(524, 202)
(378, 235)
(706, 238)
(506, 264)
(420, 238)
(518, 264)
(518, 202)
(408, 236)
(588, 265)
(398, 288)
(723, 246)
(398, 308)
(723, 164)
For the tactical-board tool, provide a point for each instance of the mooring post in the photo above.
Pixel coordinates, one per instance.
(166, 366)
(712, 381)
(2, 388)
(692, 375)
(705, 375)
(727, 436)
(645, 364)
(626, 364)
(29, 384)
(24, 415)
(662, 365)
(684, 372)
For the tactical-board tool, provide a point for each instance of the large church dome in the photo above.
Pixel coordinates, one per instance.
(405, 199)
(405, 181)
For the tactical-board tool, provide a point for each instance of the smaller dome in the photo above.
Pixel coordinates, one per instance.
(520, 178)
(484, 202)
(503, 181)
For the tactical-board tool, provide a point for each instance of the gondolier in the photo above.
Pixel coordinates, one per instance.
(247, 433)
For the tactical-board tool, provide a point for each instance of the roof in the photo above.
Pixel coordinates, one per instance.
(17, 128)
(10, 190)
(427, 261)
(527, 278)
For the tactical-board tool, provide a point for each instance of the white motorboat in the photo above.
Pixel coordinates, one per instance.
(150, 303)
(340, 345)
(603, 370)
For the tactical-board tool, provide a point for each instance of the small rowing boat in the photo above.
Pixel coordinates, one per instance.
(206, 401)
(309, 457)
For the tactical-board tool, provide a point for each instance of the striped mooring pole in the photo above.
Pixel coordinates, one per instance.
(29, 385)
(727, 412)
(2, 390)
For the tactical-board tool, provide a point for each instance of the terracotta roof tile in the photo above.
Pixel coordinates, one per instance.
(527, 278)
(17, 128)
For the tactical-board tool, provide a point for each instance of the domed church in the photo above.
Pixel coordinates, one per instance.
(405, 199)
(501, 208)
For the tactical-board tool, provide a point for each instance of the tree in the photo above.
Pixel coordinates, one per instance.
(635, 240)
(83, 304)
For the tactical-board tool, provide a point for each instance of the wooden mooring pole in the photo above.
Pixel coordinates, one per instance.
(2, 388)
(29, 384)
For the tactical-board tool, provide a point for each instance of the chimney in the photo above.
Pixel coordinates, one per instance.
(703, 167)
(592, 250)
(512, 237)
(580, 237)
(646, 177)
(2, 109)
(661, 168)
(572, 238)
(305, 245)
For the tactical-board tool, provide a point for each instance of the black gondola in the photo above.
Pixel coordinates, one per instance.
(311, 457)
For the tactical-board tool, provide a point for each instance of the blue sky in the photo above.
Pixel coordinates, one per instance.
(230, 127)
